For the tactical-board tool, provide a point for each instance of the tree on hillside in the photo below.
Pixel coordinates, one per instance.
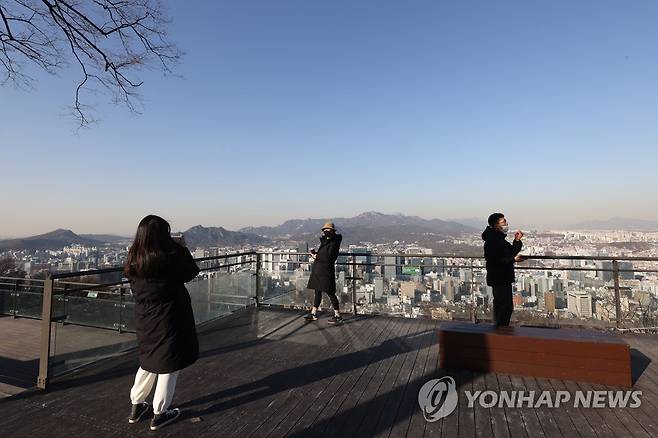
(8, 268)
(108, 40)
(7, 264)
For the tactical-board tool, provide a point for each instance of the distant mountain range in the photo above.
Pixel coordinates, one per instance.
(367, 227)
(58, 239)
(371, 227)
(616, 223)
(53, 240)
(219, 236)
(106, 238)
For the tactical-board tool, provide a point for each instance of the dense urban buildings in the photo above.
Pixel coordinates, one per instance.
(410, 280)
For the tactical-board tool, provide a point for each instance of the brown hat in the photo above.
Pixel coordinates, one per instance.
(329, 226)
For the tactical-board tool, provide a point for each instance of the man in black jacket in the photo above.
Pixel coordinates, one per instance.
(501, 256)
(323, 272)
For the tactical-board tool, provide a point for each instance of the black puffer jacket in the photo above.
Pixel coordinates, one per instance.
(499, 254)
(164, 322)
(323, 272)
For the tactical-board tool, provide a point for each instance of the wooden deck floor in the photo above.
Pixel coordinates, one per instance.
(269, 373)
(21, 339)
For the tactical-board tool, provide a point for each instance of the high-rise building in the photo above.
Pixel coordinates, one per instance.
(363, 259)
(549, 302)
(449, 289)
(340, 282)
(627, 270)
(577, 276)
(302, 248)
(517, 300)
(408, 289)
(379, 287)
(605, 270)
(558, 285)
(579, 303)
(390, 270)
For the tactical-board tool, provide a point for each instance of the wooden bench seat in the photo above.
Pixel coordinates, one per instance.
(565, 354)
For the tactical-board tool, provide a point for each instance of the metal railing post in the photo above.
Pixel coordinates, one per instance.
(46, 316)
(354, 285)
(473, 301)
(257, 297)
(121, 308)
(615, 275)
(65, 297)
(15, 296)
(212, 278)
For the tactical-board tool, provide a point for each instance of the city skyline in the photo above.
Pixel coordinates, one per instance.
(411, 280)
(296, 110)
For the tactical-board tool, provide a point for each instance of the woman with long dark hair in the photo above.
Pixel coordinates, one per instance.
(157, 267)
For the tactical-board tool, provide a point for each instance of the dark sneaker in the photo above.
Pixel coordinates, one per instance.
(335, 319)
(311, 317)
(167, 417)
(138, 412)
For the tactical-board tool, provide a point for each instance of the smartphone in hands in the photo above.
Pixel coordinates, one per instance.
(179, 239)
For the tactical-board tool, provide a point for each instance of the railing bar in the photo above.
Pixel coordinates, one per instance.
(226, 266)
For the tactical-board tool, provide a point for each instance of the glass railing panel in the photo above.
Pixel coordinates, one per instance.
(7, 300)
(216, 293)
(29, 304)
(89, 322)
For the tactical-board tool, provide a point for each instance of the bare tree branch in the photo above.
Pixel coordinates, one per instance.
(109, 40)
(4, 19)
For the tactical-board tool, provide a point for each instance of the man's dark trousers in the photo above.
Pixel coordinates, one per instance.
(502, 305)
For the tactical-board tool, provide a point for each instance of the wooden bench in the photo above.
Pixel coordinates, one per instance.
(565, 354)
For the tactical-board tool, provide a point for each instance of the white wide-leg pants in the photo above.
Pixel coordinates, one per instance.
(164, 390)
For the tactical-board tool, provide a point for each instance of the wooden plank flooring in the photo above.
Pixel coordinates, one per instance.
(20, 343)
(268, 373)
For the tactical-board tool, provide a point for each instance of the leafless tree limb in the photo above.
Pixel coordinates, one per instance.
(109, 40)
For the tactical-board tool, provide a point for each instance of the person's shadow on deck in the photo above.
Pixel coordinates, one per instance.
(368, 417)
(308, 373)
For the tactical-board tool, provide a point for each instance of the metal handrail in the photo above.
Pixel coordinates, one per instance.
(529, 268)
(616, 270)
(25, 279)
(50, 289)
(521, 267)
(61, 275)
(454, 256)
(225, 256)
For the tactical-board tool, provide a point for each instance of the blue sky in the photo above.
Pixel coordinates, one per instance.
(544, 110)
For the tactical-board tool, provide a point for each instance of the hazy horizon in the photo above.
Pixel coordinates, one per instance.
(85, 229)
